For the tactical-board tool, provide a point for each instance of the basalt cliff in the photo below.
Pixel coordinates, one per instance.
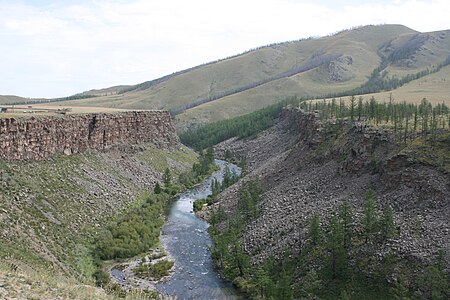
(39, 138)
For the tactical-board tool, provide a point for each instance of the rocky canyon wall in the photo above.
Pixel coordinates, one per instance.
(304, 123)
(37, 139)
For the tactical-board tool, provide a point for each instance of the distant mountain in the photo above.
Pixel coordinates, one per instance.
(364, 60)
(10, 99)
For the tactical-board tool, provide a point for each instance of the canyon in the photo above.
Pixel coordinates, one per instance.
(308, 167)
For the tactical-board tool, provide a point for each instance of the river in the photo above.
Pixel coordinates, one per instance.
(185, 238)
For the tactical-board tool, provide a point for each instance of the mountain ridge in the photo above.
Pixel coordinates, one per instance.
(306, 68)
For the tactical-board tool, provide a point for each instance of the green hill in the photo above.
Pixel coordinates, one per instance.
(360, 60)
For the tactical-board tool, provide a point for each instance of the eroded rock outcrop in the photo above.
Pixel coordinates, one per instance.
(37, 139)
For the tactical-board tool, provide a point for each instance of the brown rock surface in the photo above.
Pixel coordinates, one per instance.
(37, 139)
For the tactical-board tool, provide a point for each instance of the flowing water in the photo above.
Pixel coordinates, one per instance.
(186, 239)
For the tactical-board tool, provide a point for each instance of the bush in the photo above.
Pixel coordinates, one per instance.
(198, 204)
(135, 232)
(101, 277)
(155, 271)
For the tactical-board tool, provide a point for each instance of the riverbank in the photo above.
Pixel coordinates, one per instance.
(186, 239)
(183, 240)
(125, 274)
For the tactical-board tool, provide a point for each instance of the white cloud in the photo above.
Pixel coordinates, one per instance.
(60, 49)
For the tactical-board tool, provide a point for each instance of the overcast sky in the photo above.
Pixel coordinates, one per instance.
(59, 48)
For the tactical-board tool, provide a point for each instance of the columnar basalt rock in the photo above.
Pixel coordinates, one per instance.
(305, 124)
(37, 139)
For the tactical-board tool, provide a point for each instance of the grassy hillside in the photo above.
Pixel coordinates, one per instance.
(435, 87)
(10, 99)
(52, 211)
(309, 68)
(361, 45)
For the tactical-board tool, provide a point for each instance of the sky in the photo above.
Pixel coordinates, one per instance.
(60, 48)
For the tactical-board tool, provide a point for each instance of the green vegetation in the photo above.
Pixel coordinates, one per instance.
(227, 250)
(380, 81)
(136, 231)
(54, 212)
(155, 271)
(242, 126)
(204, 167)
(26, 283)
(229, 179)
(406, 120)
(339, 261)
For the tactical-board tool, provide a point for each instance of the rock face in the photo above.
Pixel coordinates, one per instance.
(37, 139)
(309, 169)
(304, 124)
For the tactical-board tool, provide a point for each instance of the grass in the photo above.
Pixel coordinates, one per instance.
(39, 110)
(362, 44)
(26, 283)
(160, 159)
(427, 151)
(51, 211)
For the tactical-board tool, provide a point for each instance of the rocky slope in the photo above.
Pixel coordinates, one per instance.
(306, 168)
(52, 210)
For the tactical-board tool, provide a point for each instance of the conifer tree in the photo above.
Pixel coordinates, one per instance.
(263, 282)
(333, 108)
(311, 284)
(157, 189)
(346, 219)
(400, 289)
(370, 216)
(167, 177)
(352, 108)
(337, 260)
(372, 108)
(388, 229)
(314, 230)
(360, 107)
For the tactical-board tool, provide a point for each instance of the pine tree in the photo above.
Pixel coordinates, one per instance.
(346, 219)
(352, 108)
(370, 216)
(337, 260)
(263, 282)
(333, 108)
(157, 189)
(167, 177)
(241, 260)
(360, 107)
(416, 118)
(400, 289)
(284, 290)
(227, 177)
(388, 229)
(311, 284)
(372, 108)
(314, 230)
(406, 129)
(433, 283)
